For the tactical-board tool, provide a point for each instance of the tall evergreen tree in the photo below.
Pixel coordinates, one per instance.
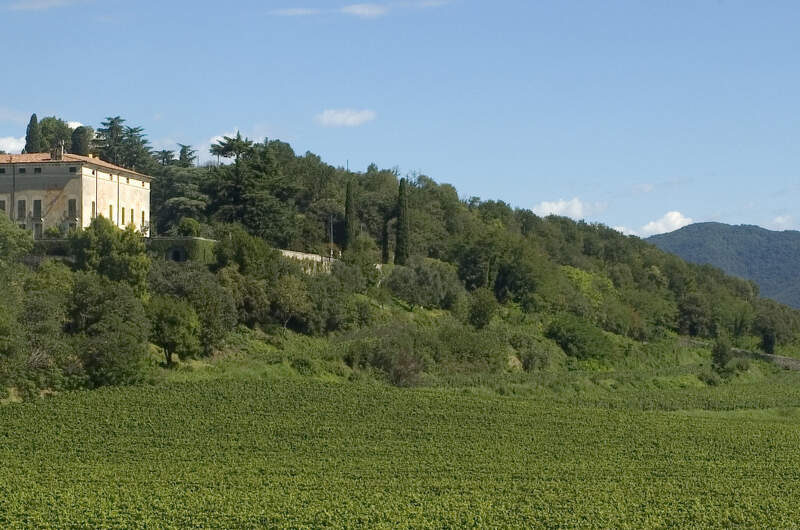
(165, 157)
(82, 140)
(186, 156)
(136, 150)
(33, 136)
(350, 219)
(401, 250)
(110, 139)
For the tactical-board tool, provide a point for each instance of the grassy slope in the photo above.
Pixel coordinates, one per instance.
(252, 452)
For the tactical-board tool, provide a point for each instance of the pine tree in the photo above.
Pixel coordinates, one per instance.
(186, 155)
(350, 219)
(33, 136)
(401, 250)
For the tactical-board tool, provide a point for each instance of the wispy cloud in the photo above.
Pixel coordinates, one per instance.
(12, 145)
(574, 208)
(13, 116)
(40, 5)
(297, 12)
(361, 10)
(366, 10)
(782, 222)
(345, 117)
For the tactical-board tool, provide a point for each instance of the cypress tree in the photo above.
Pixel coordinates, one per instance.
(350, 220)
(33, 136)
(401, 248)
(81, 140)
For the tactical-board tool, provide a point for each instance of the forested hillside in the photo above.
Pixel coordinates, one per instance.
(770, 259)
(469, 288)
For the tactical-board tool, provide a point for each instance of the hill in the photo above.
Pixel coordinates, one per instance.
(771, 259)
(469, 293)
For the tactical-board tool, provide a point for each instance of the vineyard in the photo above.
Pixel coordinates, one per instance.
(310, 454)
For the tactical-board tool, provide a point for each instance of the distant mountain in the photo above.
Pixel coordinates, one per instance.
(771, 259)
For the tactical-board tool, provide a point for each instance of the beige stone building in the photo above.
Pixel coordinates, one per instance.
(42, 190)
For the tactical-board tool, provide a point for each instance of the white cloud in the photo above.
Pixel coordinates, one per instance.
(361, 10)
(366, 10)
(297, 12)
(625, 230)
(74, 124)
(39, 5)
(574, 208)
(12, 145)
(782, 222)
(670, 222)
(644, 188)
(345, 117)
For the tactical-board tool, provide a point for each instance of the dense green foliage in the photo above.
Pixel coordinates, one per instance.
(766, 257)
(55, 133)
(33, 136)
(308, 454)
(480, 287)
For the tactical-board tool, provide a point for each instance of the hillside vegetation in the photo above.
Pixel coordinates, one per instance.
(768, 258)
(468, 288)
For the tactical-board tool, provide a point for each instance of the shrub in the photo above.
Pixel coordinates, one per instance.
(709, 377)
(482, 308)
(112, 330)
(426, 282)
(188, 227)
(174, 327)
(721, 353)
(391, 350)
(578, 338)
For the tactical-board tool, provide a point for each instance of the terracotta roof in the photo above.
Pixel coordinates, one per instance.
(43, 158)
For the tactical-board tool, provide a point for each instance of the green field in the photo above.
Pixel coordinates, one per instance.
(304, 453)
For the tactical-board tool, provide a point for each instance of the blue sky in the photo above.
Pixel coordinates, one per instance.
(637, 114)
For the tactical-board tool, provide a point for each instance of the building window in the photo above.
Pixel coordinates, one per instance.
(37, 231)
(2, 170)
(22, 171)
(142, 218)
(73, 169)
(143, 184)
(111, 212)
(127, 180)
(37, 208)
(3, 206)
(94, 172)
(72, 208)
(37, 170)
(123, 216)
(132, 217)
(94, 210)
(22, 209)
